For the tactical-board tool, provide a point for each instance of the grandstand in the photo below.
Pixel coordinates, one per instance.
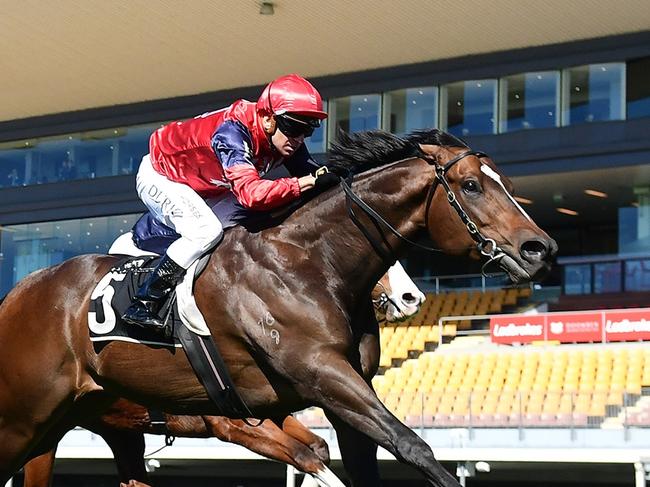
(449, 374)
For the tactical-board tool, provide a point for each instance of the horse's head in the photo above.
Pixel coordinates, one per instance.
(396, 295)
(482, 215)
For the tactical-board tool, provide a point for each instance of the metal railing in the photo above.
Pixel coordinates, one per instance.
(512, 409)
(437, 284)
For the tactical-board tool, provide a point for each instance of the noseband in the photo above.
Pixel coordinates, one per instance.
(486, 246)
(383, 301)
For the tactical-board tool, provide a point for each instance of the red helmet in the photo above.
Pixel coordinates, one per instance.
(291, 94)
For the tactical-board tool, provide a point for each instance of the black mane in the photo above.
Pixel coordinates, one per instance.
(360, 151)
(435, 137)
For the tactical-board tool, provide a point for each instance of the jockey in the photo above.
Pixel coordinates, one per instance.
(213, 155)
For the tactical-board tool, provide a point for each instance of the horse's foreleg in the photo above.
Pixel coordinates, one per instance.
(38, 471)
(358, 452)
(19, 437)
(267, 440)
(128, 451)
(300, 432)
(339, 389)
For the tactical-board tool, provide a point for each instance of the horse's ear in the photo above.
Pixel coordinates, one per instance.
(429, 151)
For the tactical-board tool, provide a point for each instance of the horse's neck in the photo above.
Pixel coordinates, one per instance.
(396, 193)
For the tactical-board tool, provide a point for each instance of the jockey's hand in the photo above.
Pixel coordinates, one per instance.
(322, 179)
(326, 180)
(306, 182)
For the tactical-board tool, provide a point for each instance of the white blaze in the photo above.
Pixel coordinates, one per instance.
(401, 285)
(489, 172)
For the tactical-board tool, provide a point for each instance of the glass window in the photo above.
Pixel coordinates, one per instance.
(26, 248)
(469, 107)
(316, 143)
(577, 279)
(12, 167)
(637, 275)
(410, 109)
(354, 114)
(89, 155)
(607, 277)
(638, 88)
(530, 100)
(594, 92)
(634, 222)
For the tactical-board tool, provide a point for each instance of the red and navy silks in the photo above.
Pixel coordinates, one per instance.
(227, 150)
(154, 236)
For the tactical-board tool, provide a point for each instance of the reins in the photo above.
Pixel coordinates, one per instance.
(378, 221)
(486, 246)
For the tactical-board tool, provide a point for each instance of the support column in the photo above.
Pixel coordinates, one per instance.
(643, 220)
(291, 476)
(639, 474)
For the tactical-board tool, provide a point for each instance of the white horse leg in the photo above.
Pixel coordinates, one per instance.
(309, 481)
(326, 478)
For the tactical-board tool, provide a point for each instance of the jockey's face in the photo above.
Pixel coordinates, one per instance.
(286, 146)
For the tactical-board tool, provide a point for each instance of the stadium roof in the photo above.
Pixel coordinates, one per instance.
(77, 54)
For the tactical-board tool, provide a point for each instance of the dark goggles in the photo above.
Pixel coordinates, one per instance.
(291, 126)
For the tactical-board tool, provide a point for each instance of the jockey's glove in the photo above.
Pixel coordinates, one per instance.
(325, 180)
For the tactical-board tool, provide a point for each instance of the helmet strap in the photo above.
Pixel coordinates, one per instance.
(271, 128)
(272, 125)
(270, 131)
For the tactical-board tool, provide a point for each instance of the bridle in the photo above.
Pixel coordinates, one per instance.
(383, 300)
(486, 246)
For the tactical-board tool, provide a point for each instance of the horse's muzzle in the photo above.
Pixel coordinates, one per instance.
(538, 250)
(536, 255)
(532, 262)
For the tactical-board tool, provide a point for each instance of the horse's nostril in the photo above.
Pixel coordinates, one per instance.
(533, 250)
(408, 298)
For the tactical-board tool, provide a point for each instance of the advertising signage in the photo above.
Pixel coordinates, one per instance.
(626, 325)
(572, 327)
(518, 328)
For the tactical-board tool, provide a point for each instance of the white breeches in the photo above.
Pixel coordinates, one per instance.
(181, 208)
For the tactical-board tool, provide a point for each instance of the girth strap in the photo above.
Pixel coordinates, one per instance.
(158, 423)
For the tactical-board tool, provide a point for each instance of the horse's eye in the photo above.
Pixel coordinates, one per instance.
(471, 186)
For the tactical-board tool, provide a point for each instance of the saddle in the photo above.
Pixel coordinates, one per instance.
(113, 294)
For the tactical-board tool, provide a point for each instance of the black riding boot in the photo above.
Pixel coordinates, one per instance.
(151, 296)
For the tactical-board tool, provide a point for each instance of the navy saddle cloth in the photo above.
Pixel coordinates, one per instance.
(113, 296)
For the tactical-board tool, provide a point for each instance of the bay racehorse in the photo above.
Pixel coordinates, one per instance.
(122, 426)
(309, 278)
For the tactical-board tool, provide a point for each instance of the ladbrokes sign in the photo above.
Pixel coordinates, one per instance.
(517, 328)
(590, 326)
(625, 325)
